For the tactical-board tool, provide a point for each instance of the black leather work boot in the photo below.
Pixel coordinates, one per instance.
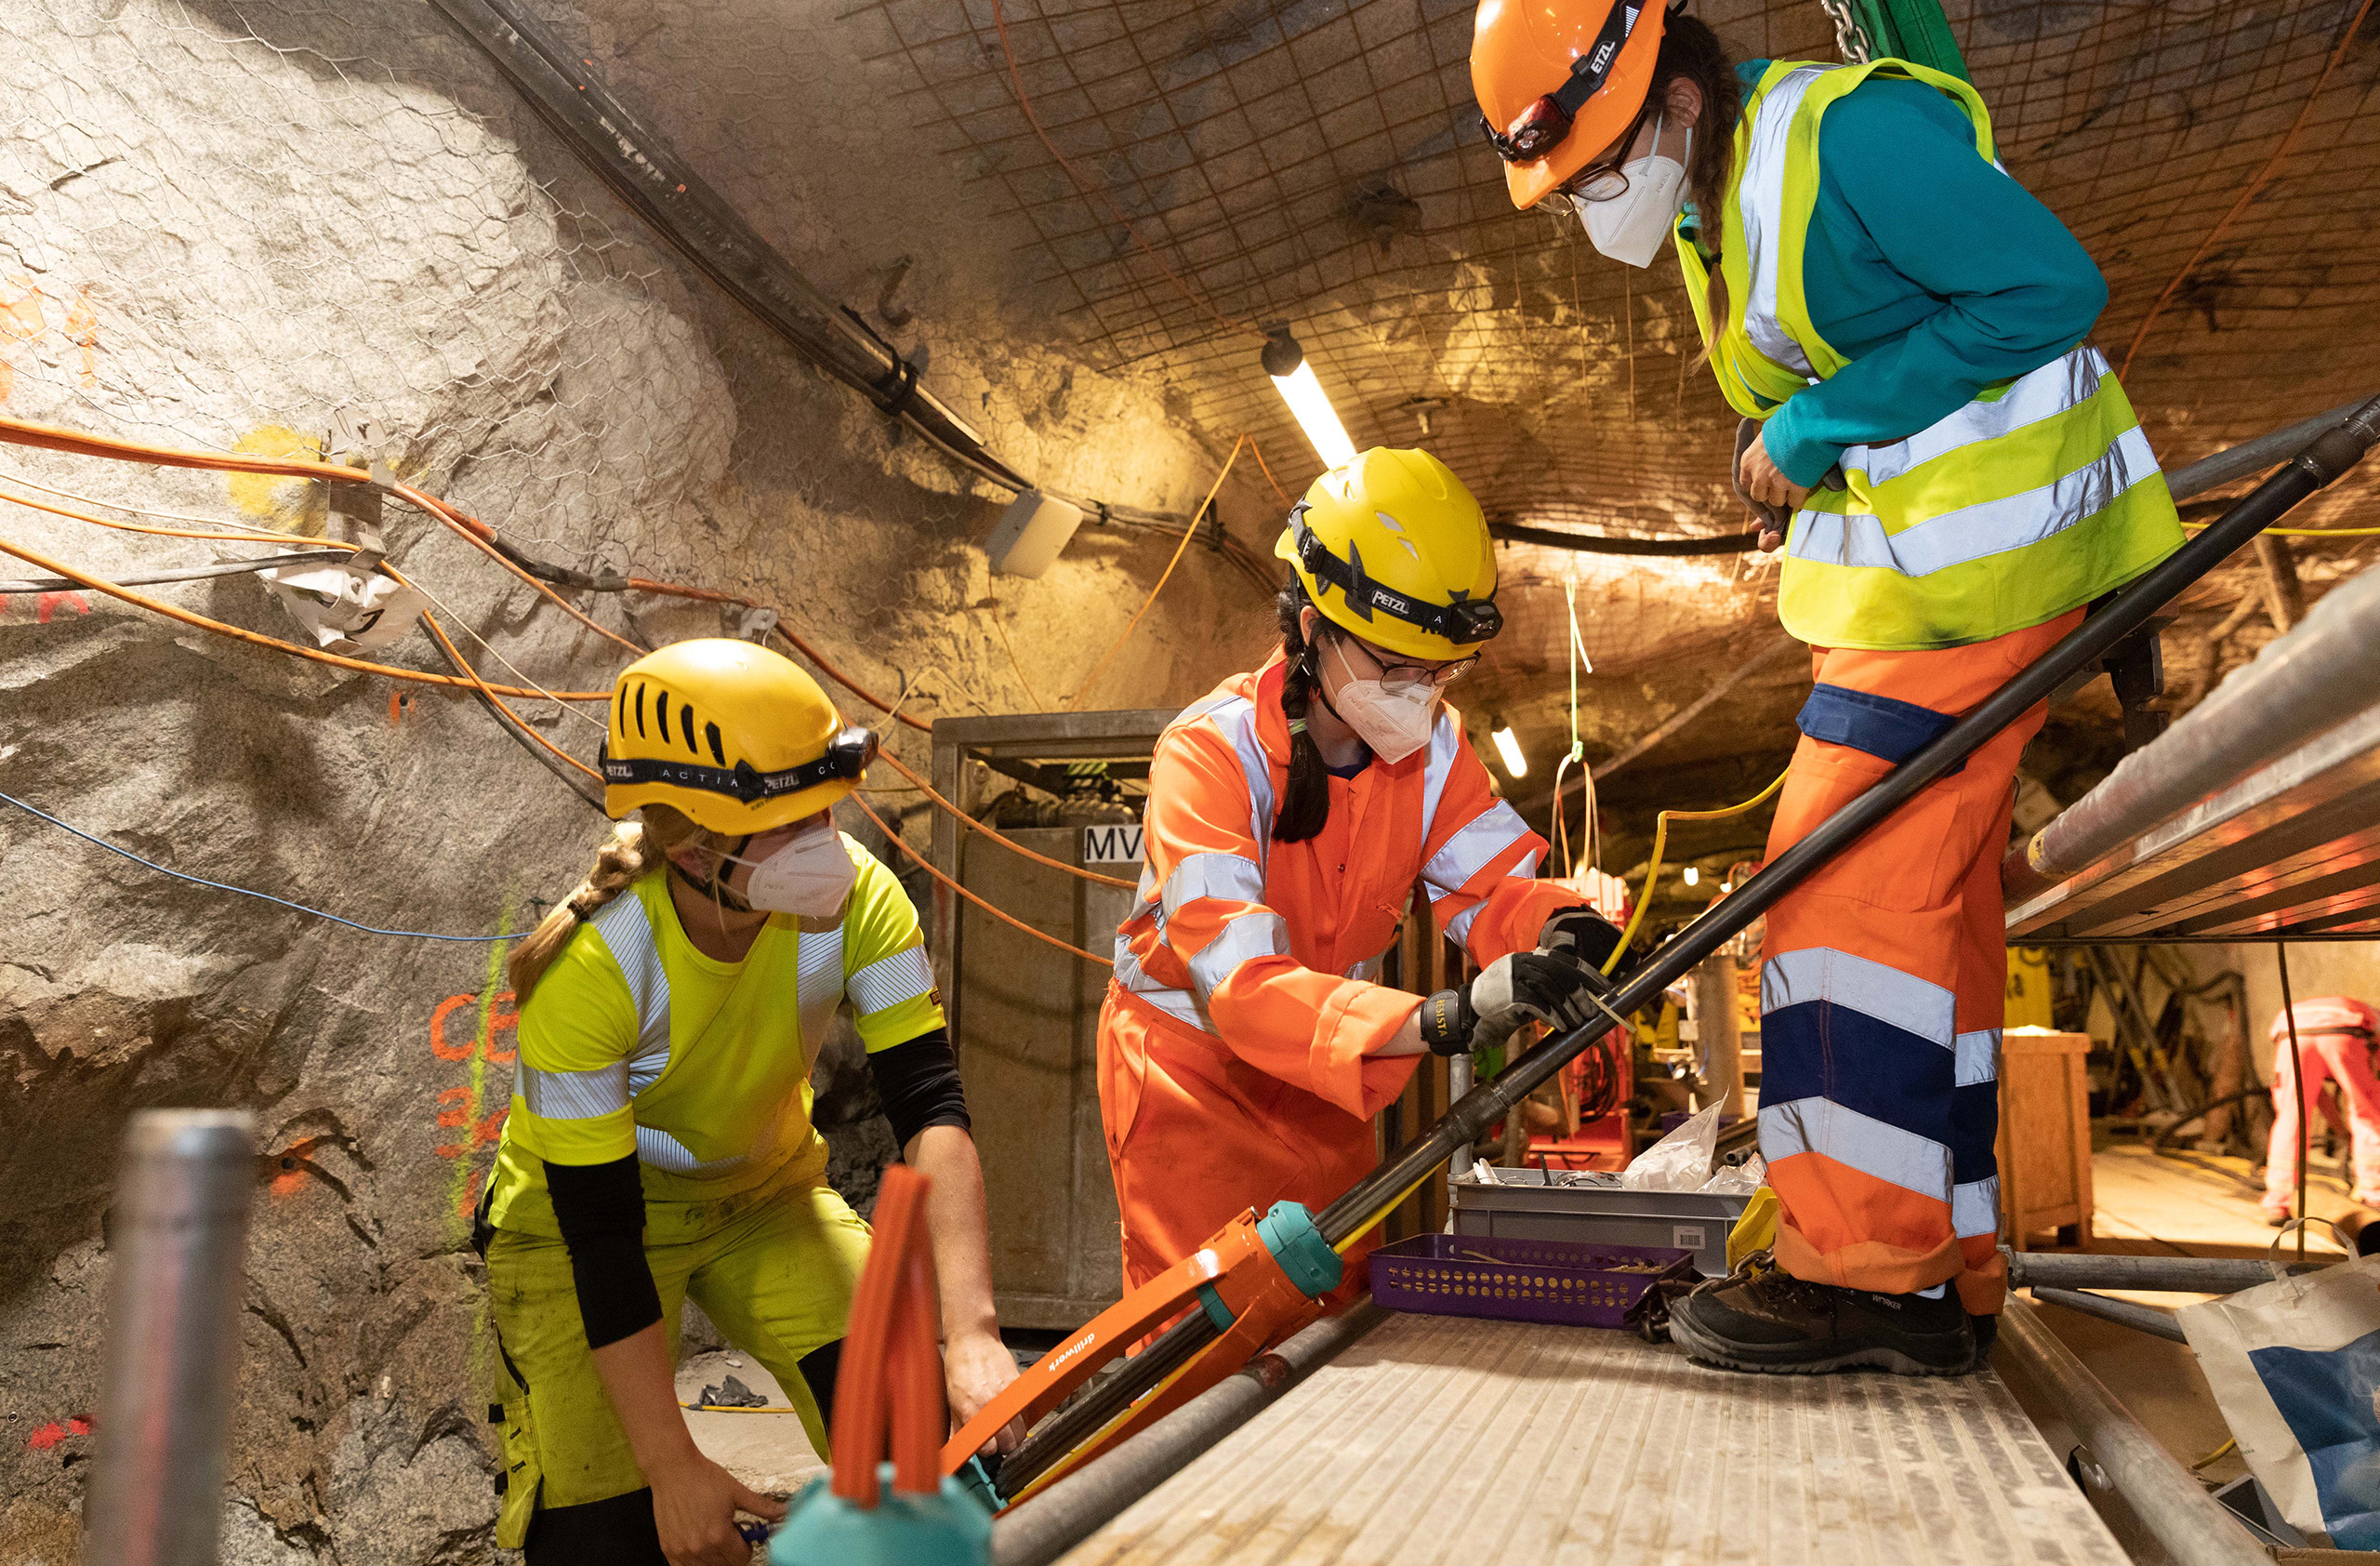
(1761, 1319)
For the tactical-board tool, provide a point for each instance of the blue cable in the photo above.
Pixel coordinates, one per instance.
(260, 897)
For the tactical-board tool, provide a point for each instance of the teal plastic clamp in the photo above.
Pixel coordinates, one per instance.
(1217, 1311)
(822, 1529)
(980, 1486)
(1289, 1232)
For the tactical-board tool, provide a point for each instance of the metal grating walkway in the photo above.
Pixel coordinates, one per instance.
(1443, 1442)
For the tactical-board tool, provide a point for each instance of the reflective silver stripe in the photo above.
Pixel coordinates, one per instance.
(1459, 928)
(646, 1068)
(888, 981)
(1211, 875)
(1761, 202)
(627, 934)
(1817, 973)
(1979, 1057)
(1239, 724)
(1974, 1208)
(818, 985)
(665, 1151)
(1146, 892)
(1987, 528)
(1446, 740)
(574, 1096)
(1260, 933)
(1856, 1141)
(2065, 382)
(1473, 848)
(1368, 969)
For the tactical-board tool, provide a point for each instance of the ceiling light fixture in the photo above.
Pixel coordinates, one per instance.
(1294, 377)
(1508, 745)
(1692, 875)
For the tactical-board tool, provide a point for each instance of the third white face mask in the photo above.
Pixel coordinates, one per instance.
(1631, 227)
(1395, 723)
(810, 876)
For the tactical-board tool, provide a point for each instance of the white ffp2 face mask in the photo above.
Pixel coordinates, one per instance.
(1631, 227)
(1393, 723)
(810, 876)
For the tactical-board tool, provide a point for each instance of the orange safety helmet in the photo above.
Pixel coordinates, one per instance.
(1558, 81)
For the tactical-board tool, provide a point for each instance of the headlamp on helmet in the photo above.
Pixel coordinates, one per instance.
(1466, 621)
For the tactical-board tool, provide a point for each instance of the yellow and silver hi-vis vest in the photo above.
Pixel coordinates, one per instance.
(2040, 495)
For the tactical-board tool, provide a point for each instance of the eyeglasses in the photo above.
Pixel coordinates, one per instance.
(1605, 180)
(1399, 679)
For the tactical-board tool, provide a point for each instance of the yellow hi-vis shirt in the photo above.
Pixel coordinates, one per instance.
(634, 1041)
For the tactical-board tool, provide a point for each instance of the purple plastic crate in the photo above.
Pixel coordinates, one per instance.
(1519, 1280)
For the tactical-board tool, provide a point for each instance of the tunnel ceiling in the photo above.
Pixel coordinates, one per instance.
(1230, 166)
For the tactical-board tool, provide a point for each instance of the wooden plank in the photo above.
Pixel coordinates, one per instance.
(1443, 1442)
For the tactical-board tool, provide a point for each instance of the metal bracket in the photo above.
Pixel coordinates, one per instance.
(358, 440)
(751, 623)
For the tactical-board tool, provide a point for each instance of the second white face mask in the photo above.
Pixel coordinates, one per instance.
(810, 876)
(1395, 723)
(1632, 226)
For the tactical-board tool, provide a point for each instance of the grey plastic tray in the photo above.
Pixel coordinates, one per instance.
(1557, 1205)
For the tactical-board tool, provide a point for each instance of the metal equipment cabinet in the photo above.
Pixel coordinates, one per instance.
(1025, 1015)
(2045, 1145)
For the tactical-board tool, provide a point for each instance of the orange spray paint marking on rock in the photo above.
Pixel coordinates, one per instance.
(464, 1108)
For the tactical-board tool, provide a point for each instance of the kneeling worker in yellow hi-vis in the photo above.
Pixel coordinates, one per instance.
(659, 1143)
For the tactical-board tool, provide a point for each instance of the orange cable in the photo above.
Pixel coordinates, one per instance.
(711, 595)
(258, 537)
(430, 622)
(969, 823)
(173, 612)
(479, 535)
(2263, 177)
(1146, 604)
(1025, 102)
(902, 844)
(1267, 470)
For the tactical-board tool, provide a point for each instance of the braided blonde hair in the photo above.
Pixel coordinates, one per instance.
(635, 848)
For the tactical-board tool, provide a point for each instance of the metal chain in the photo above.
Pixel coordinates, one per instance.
(1850, 39)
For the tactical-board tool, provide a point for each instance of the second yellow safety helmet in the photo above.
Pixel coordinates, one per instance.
(736, 737)
(1391, 548)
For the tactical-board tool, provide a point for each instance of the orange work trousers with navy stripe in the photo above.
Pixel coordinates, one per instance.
(1882, 979)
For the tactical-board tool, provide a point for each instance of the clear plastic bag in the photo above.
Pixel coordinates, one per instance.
(1740, 1179)
(1680, 1162)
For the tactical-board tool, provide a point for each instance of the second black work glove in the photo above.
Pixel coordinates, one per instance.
(1525, 986)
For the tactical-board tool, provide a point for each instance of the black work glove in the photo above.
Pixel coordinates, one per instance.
(1526, 986)
(1582, 935)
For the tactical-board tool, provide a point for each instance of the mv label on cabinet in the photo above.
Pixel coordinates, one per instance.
(1111, 845)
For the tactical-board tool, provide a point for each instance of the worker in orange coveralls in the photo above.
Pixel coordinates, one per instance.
(2335, 1039)
(1244, 1046)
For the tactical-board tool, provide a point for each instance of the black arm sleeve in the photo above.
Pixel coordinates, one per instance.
(601, 1208)
(919, 1082)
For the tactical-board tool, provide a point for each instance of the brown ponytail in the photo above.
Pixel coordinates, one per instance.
(635, 847)
(1690, 49)
(1305, 802)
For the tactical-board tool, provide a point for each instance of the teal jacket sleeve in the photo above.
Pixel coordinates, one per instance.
(1932, 271)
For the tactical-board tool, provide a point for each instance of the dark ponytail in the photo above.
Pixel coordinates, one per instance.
(1690, 49)
(1305, 802)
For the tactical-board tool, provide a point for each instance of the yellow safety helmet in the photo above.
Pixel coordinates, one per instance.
(1392, 549)
(1558, 81)
(736, 737)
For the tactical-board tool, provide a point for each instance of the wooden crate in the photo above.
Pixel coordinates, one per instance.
(2044, 1143)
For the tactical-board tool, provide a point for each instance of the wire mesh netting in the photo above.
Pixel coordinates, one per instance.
(1194, 172)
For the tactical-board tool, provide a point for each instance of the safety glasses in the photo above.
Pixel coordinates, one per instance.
(1398, 678)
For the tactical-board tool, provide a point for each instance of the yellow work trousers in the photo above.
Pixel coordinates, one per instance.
(773, 1268)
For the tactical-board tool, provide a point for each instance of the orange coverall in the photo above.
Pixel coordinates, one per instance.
(1236, 1065)
(1883, 979)
(2334, 1037)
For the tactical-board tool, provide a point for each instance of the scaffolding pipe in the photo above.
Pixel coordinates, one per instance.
(1364, 1203)
(177, 1232)
(2318, 676)
(1079, 1504)
(2191, 1526)
(2179, 1275)
(2123, 1313)
(2253, 457)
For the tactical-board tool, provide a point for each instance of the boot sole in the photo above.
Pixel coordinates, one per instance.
(1869, 1357)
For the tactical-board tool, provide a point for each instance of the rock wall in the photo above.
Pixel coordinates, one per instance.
(218, 226)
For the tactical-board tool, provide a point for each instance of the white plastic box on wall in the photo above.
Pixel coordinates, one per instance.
(1031, 535)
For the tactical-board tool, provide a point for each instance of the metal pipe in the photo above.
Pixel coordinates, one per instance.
(177, 1231)
(2191, 1526)
(1079, 1505)
(2180, 1275)
(2313, 679)
(1470, 1115)
(1459, 1083)
(2123, 1313)
(2256, 455)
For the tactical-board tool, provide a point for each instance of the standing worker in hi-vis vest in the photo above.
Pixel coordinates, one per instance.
(1954, 473)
